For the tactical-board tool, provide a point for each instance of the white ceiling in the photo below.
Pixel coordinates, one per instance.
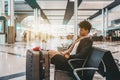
(90, 7)
(52, 4)
(54, 17)
(87, 12)
(54, 12)
(55, 9)
(94, 4)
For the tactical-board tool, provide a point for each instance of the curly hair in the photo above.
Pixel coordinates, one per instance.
(86, 25)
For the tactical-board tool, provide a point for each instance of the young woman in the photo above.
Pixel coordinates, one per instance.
(80, 48)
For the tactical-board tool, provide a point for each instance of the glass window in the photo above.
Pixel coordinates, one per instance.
(1, 26)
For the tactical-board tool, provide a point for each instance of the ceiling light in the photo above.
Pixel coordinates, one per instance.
(71, 0)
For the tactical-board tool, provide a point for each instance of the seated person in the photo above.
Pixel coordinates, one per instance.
(80, 48)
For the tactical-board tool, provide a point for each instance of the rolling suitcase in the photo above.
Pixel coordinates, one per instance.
(37, 65)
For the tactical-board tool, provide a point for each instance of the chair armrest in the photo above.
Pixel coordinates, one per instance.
(82, 69)
(86, 68)
(71, 60)
(75, 59)
(116, 60)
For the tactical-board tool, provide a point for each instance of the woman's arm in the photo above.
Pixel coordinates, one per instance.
(85, 49)
(67, 52)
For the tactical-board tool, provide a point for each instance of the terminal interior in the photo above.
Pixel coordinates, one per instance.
(53, 24)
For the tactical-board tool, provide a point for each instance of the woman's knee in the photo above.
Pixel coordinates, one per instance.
(52, 53)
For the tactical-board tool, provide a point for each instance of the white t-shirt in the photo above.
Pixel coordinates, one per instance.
(74, 48)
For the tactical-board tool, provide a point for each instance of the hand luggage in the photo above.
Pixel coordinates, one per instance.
(37, 65)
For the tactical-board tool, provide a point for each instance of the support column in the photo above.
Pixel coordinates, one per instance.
(35, 19)
(2, 11)
(11, 24)
(36, 16)
(2, 7)
(75, 19)
(106, 20)
(103, 22)
(11, 12)
(43, 36)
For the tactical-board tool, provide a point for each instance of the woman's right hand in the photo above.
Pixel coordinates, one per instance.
(64, 52)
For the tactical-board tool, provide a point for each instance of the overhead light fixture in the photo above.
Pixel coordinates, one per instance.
(71, 0)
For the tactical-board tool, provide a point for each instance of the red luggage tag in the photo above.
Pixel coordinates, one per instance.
(37, 48)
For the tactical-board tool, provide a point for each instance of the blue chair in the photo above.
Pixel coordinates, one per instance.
(99, 60)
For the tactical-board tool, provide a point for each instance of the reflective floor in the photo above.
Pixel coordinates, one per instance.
(13, 57)
(114, 47)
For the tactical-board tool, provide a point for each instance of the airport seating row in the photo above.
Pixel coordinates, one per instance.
(99, 60)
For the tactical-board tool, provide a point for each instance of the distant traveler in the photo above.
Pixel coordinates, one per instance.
(25, 36)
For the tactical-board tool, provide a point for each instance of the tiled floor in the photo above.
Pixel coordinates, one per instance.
(13, 60)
